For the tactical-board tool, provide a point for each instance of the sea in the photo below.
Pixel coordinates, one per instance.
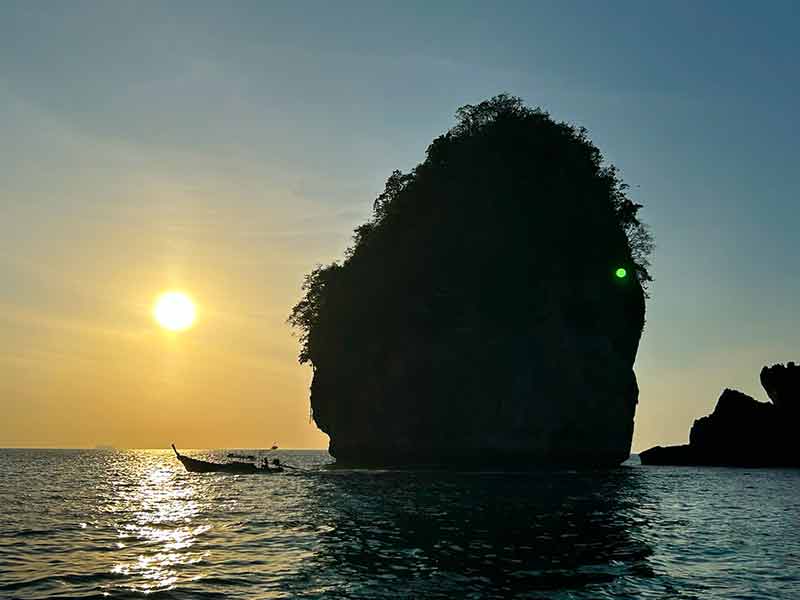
(134, 524)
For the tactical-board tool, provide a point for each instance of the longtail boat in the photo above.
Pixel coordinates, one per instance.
(194, 465)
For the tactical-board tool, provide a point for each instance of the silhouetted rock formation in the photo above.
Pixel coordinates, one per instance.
(491, 309)
(783, 385)
(742, 431)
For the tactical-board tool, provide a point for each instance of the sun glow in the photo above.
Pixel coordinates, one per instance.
(174, 311)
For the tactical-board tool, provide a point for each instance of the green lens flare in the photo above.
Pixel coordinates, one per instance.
(621, 273)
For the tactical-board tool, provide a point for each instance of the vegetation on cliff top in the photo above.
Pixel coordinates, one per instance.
(506, 205)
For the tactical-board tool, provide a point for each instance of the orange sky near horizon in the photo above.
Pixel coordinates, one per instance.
(85, 363)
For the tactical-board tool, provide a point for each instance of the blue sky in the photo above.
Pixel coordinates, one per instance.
(228, 147)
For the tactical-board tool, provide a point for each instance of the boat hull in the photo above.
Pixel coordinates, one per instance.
(194, 465)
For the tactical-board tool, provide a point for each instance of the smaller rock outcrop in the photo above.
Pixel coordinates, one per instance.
(782, 384)
(743, 432)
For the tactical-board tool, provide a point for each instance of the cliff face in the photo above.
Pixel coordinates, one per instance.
(490, 312)
(782, 384)
(742, 431)
(557, 395)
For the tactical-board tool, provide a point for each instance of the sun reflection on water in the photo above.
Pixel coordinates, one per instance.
(156, 522)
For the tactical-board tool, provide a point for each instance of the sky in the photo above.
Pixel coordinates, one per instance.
(224, 149)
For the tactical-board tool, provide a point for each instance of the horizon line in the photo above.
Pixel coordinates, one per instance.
(112, 447)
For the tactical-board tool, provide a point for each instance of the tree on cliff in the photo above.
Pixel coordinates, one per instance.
(506, 206)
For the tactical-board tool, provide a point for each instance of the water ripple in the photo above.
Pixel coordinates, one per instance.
(134, 524)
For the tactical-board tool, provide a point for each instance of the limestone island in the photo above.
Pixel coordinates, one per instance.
(742, 432)
(490, 310)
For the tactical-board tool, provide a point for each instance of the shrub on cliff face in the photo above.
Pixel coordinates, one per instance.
(469, 245)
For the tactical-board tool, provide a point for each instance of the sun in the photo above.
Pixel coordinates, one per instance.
(174, 311)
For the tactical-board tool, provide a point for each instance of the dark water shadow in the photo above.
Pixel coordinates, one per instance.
(547, 534)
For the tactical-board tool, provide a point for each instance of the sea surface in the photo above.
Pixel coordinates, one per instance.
(134, 524)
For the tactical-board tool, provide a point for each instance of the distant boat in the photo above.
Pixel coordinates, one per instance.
(194, 465)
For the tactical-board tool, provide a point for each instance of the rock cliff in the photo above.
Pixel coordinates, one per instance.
(782, 384)
(742, 431)
(491, 310)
